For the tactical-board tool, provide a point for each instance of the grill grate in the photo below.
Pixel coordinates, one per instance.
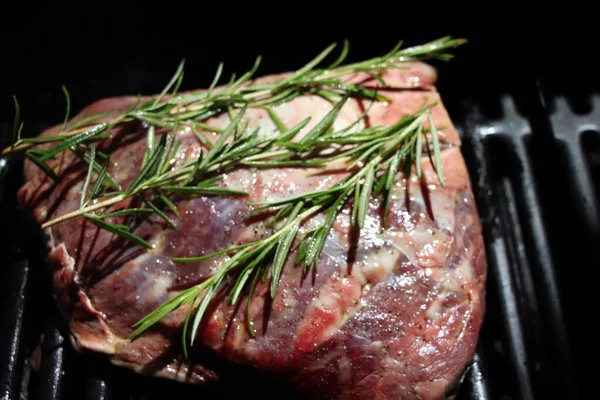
(527, 163)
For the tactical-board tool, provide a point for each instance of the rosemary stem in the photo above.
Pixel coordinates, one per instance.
(25, 146)
(84, 210)
(267, 155)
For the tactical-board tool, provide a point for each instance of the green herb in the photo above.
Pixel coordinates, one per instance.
(88, 178)
(118, 230)
(17, 124)
(68, 112)
(373, 157)
(269, 255)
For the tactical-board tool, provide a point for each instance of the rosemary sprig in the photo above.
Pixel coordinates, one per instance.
(374, 156)
(391, 146)
(200, 105)
(195, 177)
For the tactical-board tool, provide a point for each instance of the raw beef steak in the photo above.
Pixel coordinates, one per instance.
(392, 313)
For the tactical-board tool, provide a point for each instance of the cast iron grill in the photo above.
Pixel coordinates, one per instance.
(530, 160)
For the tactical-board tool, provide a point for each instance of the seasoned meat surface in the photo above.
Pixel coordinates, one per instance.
(389, 313)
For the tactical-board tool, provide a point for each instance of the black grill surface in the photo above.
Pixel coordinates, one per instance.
(534, 160)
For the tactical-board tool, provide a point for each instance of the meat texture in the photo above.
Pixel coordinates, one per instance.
(389, 313)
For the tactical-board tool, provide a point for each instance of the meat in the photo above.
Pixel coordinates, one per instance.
(391, 313)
